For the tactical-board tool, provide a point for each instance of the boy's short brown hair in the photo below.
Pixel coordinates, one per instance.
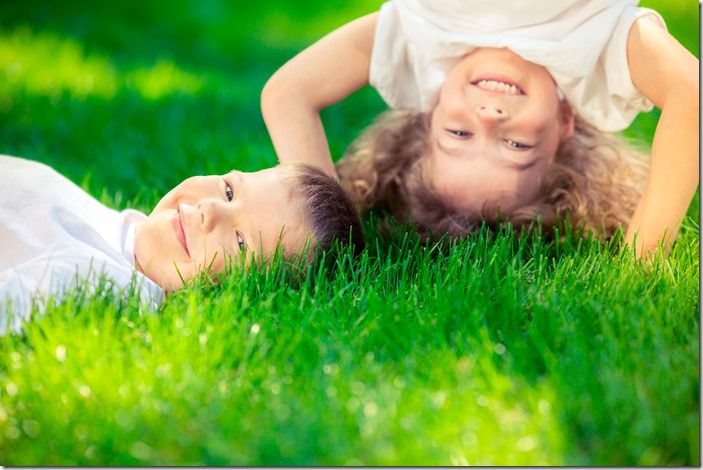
(330, 212)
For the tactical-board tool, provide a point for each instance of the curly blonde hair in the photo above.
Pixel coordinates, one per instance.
(594, 183)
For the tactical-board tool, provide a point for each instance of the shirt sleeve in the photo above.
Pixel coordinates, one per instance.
(627, 101)
(391, 68)
(28, 287)
(15, 300)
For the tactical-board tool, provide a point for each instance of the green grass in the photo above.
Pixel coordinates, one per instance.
(490, 351)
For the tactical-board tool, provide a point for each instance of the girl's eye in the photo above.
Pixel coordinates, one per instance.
(517, 145)
(240, 242)
(459, 133)
(228, 192)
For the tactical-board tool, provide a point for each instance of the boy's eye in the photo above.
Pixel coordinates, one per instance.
(240, 242)
(228, 192)
(459, 133)
(517, 145)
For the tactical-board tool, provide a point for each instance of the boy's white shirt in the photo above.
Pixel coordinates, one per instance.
(54, 235)
(583, 45)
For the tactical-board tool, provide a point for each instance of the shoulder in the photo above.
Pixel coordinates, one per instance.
(21, 173)
(68, 262)
(57, 272)
(10, 164)
(657, 61)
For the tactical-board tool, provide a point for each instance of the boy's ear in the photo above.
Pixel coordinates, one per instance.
(567, 120)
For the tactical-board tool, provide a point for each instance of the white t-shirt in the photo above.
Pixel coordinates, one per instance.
(53, 235)
(583, 45)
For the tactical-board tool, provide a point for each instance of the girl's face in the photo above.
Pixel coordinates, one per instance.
(206, 219)
(495, 130)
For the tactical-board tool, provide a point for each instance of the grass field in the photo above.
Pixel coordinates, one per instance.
(493, 351)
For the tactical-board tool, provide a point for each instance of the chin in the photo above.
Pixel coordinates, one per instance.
(168, 281)
(170, 285)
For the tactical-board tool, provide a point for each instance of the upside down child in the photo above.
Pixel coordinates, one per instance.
(503, 110)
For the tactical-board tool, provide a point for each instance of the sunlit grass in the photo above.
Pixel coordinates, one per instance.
(493, 351)
(163, 79)
(528, 354)
(469, 412)
(45, 64)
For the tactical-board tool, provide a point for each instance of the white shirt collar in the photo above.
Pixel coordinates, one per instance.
(129, 229)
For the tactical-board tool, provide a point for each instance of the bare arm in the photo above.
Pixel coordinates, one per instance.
(321, 75)
(666, 73)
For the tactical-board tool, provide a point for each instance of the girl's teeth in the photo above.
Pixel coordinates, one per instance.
(493, 85)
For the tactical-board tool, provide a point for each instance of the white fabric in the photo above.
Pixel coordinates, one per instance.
(54, 235)
(582, 43)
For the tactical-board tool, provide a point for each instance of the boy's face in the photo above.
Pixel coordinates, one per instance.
(206, 219)
(495, 130)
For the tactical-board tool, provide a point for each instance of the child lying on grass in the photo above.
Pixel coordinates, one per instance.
(54, 234)
(505, 109)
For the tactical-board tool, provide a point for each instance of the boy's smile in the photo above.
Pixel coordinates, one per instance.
(206, 219)
(177, 223)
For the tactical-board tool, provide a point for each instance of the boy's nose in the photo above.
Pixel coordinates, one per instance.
(208, 214)
(491, 113)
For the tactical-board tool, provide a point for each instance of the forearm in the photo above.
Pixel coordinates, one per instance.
(297, 132)
(673, 176)
(321, 75)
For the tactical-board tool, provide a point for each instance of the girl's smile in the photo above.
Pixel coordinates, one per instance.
(495, 130)
(498, 84)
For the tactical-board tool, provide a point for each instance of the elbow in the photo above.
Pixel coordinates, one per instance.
(272, 93)
(282, 95)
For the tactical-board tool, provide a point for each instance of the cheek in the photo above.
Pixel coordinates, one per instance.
(157, 252)
(189, 191)
(172, 199)
(166, 202)
(451, 105)
(211, 253)
(545, 110)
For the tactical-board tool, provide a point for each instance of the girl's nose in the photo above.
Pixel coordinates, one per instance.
(491, 113)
